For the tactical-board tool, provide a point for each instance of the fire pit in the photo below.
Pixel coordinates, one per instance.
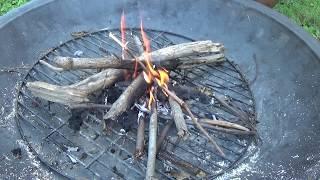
(112, 155)
(71, 141)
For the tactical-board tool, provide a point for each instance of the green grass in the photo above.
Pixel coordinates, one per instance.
(306, 13)
(7, 5)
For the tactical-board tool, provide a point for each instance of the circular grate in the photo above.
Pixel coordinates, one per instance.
(91, 154)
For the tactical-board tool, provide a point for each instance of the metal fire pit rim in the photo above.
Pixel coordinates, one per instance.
(281, 19)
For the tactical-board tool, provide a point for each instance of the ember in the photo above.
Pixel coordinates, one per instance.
(151, 72)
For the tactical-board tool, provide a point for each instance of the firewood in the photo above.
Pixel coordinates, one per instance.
(76, 93)
(152, 145)
(225, 124)
(178, 118)
(193, 118)
(140, 137)
(183, 55)
(134, 91)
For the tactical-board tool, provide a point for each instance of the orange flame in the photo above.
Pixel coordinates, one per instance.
(161, 77)
(123, 34)
(151, 97)
(147, 55)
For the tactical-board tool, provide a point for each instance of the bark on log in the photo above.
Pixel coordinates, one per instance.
(78, 92)
(152, 146)
(170, 57)
(140, 138)
(134, 91)
(178, 118)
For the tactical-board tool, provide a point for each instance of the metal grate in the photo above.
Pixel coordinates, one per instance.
(91, 154)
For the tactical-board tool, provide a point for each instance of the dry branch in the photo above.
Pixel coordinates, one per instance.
(178, 118)
(183, 55)
(193, 118)
(225, 124)
(152, 146)
(134, 91)
(78, 92)
(140, 138)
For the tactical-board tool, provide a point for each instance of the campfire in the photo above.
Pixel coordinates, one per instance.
(146, 77)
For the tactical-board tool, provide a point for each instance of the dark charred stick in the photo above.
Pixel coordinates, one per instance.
(76, 93)
(195, 121)
(163, 134)
(152, 145)
(90, 106)
(140, 138)
(178, 118)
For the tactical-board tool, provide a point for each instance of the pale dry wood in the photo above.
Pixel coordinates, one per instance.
(140, 138)
(135, 90)
(170, 57)
(152, 145)
(76, 93)
(225, 124)
(178, 118)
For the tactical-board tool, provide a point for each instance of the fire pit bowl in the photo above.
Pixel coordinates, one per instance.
(280, 61)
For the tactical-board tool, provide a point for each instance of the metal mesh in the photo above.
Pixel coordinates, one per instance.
(89, 153)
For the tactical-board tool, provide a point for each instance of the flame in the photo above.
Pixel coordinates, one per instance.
(151, 97)
(163, 78)
(147, 55)
(160, 76)
(123, 34)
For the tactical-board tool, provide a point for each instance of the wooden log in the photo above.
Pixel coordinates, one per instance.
(76, 93)
(140, 138)
(134, 91)
(152, 145)
(169, 57)
(178, 118)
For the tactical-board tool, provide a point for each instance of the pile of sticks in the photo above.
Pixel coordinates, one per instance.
(114, 69)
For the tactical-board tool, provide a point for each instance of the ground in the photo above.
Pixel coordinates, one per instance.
(305, 13)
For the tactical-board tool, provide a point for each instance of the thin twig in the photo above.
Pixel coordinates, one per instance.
(195, 121)
(90, 106)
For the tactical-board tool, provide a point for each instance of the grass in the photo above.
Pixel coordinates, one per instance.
(305, 13)
(7, 5)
